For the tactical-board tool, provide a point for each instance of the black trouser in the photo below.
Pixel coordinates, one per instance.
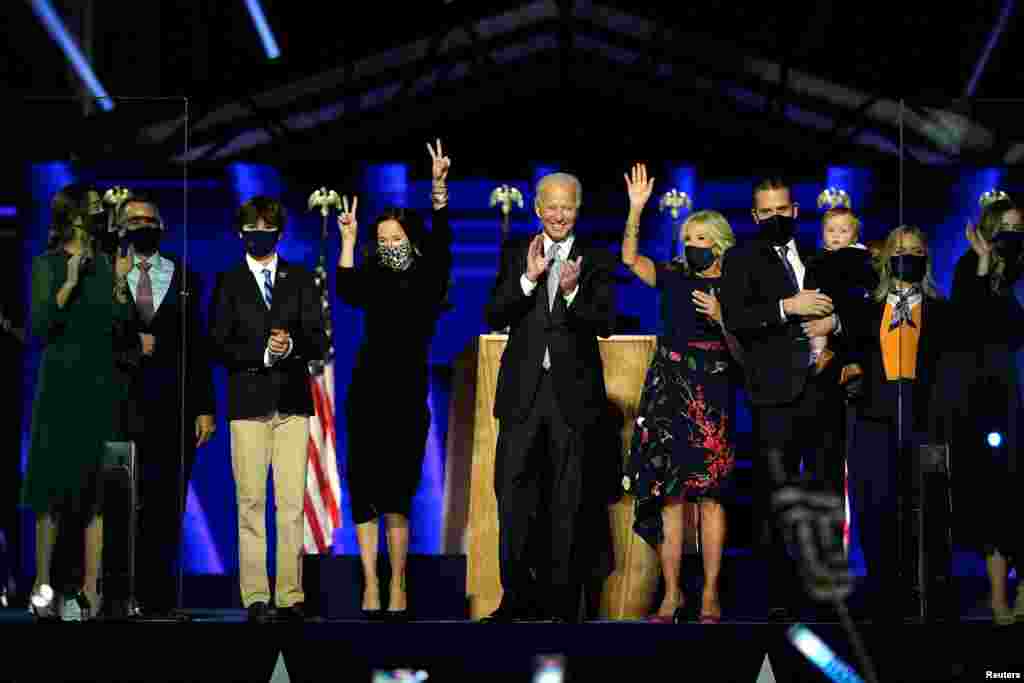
(538, 485)
(160, 516)
(807, 430)
(876, 480)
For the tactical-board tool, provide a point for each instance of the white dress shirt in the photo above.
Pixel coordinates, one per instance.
(160, 273)
(257, 268)
(565, 248)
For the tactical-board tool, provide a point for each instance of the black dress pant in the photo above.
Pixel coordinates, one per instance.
(875, 481)
(538, 485)
(808, 431)
(161, 513)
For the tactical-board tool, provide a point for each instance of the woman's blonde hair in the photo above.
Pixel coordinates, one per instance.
(886, 276)
(719, 230)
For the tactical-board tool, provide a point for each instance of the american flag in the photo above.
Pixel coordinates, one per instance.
(321, 507)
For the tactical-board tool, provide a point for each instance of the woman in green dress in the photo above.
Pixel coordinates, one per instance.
(81, 313)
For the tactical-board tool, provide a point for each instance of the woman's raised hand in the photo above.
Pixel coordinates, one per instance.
(347, 224)
(441, 162)
(979, 244)
(638, 186)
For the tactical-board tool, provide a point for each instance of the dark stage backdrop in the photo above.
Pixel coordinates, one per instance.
(938, 201)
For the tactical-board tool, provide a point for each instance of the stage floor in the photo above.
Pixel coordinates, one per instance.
(219, 646)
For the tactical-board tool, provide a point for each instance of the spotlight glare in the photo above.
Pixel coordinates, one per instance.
(995, 439)
(263, 28)
(55, 27)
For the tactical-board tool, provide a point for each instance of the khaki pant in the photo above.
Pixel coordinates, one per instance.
(278, 442)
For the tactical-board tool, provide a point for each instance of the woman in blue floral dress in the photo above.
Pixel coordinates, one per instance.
(682, 445)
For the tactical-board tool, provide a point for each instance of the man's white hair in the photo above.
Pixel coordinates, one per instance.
(559, 179)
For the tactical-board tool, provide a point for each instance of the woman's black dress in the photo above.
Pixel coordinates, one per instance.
(985, 368)
(682, 440)
(386, 408)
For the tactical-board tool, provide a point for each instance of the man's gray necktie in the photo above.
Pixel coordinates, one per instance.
(554, 272)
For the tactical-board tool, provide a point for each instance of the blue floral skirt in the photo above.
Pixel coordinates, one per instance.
(682, 439)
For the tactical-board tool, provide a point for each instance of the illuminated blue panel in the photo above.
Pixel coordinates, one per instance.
(249, 180)
(259, 19)
(684, 179)
(387, 185)
(55, 27)
(857, 183)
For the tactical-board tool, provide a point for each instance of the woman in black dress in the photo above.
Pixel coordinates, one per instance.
(682, 441)
(989, 291)
(402, 288)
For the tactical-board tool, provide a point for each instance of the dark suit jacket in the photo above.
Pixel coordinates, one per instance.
(570, 332)
(240, 327)
(880, 397)
(754, 280)
(156, 382)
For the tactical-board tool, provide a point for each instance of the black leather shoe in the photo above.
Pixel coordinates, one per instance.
(396, 615)
(296, 612)
(507, 614)
(259, 612)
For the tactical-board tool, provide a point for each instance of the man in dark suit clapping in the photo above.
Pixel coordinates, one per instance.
(766, 305)
(556, 295)
(266, 327)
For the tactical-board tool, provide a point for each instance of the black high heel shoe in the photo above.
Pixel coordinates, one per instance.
(372, 614)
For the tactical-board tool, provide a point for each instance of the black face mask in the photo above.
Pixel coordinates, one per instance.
(1009, 244)
(260, 243)
(699, 258)
(145, 240)
(908, 267)
(779, 230)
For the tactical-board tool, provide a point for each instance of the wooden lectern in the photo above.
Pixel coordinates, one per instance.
(470, 509)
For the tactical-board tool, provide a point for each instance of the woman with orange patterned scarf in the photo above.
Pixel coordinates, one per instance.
(907, 327)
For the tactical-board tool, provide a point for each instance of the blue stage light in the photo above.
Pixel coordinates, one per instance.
(55, 27)
(263, 28)
(995, 439)
(821, 655)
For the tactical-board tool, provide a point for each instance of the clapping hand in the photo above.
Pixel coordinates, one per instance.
(981, 246)
(439, 172)
(278, 343)
(125, 261)
(74, 268)
(638, 186)
(569, 276)
(536, 261)
(347, 223)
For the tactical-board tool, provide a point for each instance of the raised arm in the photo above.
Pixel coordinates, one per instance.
(639, 190)
(350, 282)
(441, 236)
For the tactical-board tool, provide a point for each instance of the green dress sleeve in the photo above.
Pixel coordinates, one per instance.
(48, 319)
